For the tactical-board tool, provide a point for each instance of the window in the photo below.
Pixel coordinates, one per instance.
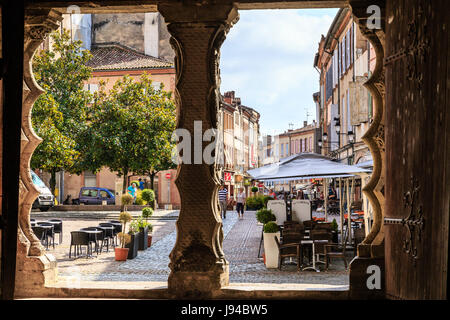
(287, 149)
(104, 194)
(310, 144)
(90, 179)
(89, 193)
(282, 150)
(156, 85)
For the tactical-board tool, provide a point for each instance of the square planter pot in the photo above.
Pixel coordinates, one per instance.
(271, 249)
(133, 246)
(143, 239)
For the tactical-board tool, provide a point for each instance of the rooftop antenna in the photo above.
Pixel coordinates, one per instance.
(291, 126)
(307, 114)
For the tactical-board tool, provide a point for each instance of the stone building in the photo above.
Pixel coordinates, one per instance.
(345, 59)
(240, 131)
(290, 142)
(121, 44)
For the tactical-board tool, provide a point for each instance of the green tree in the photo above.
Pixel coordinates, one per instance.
(60, 115)
(132, 126)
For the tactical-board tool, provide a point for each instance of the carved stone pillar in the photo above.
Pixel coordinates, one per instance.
(371, 250)
(198, 266)
(34, 267)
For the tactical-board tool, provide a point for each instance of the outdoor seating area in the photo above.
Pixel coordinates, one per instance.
(92, 238)
(312, 240)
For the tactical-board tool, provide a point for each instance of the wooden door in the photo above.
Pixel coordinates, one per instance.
(417, 149)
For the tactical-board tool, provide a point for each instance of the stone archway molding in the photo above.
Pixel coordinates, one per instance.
(198, 265)
(35, 268)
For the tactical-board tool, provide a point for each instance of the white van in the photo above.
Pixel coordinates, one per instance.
(45, 200)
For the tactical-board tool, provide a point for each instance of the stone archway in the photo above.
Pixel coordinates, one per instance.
(198, 266)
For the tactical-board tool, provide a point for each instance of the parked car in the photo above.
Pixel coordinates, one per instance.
(45, 200)
(95, 195)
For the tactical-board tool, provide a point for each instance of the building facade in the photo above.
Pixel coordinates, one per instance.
(346, 60)
(239, 126)
(121, 44)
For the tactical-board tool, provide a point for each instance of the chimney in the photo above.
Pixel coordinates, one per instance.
(305, 123)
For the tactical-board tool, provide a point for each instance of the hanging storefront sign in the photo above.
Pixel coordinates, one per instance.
(238, 178)
(247, 182)
(227, 176)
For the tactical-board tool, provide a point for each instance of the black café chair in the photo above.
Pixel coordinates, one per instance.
(117, 227)
(93, 238)
(79, 239)
(109, 233)
(58, 228)
(49, 232)
(103, 238)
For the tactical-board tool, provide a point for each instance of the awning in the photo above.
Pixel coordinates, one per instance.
(305, 166)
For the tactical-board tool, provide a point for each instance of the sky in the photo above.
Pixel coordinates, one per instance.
(267, 59)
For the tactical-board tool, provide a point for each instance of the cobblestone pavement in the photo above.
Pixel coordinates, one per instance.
(241, 243)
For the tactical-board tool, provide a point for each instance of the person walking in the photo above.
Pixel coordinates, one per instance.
(132, 190)
(240, 201)
(141, 184)
(223, 197)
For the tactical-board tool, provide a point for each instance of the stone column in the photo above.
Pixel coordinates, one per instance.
(198, 266)
(371, 250)
(34, 268)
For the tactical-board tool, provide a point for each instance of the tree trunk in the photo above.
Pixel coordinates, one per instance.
(52, 181)
(152, 181)
(125, 178)
(124, 187)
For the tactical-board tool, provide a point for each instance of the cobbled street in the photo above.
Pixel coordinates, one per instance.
(241, 244)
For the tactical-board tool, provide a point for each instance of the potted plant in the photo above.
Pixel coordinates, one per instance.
(271, 230)
(121, 253)
(133, 244)
(334, 231)
(148, 195)
(143, 233)
(255, 190)
(127, 200)
(265, 215)
(147, 213)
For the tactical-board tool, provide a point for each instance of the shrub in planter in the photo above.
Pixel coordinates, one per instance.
(255, 203)
(271, 227)
(271, 253)
(148, 195)
(133, 245)
(127, 200)
(255, 189)
(139, 201)
(147, 212)
(265, 215)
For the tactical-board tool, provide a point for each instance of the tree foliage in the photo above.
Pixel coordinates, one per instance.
(59, 115)
(132, 126)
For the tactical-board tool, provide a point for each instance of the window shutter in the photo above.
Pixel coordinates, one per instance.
(348, 48)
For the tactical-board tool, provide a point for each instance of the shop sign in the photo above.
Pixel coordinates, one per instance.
(227, 176)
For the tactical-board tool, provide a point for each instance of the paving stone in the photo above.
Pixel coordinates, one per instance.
(241, 242)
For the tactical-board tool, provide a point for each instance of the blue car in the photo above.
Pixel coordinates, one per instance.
(95, 195)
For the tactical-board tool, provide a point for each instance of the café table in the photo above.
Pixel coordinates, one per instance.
(92, 237)
(312, 243)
